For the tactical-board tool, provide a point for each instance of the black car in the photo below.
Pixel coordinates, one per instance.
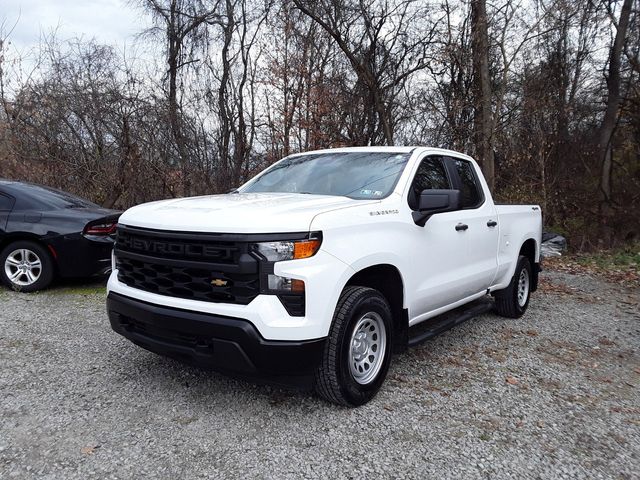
(45, 233)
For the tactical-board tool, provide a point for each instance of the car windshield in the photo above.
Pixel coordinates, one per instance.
(358, 175)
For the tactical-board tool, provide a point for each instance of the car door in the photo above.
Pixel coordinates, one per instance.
(478, 215)
(438, 253)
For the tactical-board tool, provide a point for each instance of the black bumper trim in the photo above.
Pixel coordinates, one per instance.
(227, 344)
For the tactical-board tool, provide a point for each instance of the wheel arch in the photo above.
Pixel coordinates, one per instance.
(387, 279)
(529, 249)
(10, 238)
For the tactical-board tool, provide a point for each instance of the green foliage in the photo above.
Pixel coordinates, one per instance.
(626, 256)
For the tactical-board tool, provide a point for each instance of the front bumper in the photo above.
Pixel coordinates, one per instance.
(324, 277)
(227, 344)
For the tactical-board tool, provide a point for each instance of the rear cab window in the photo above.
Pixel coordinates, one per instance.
(471, 194)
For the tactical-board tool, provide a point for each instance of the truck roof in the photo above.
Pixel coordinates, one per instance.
(397, 149)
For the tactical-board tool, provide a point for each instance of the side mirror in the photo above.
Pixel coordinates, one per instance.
(431, 202)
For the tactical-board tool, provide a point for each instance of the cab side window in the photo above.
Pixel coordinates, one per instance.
(470, 193)
(431, 175)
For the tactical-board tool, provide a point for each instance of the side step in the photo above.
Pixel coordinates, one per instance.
(430, 328)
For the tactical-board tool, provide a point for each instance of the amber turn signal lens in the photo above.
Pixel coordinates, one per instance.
(306, 248)
(297, 285)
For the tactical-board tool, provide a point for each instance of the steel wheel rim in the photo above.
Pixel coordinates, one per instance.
(523, 287)
(23, 267)
(367, 348)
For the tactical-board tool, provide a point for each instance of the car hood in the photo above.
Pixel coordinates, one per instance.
(236, 212)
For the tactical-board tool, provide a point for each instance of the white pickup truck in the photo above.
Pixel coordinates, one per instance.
(321, 266)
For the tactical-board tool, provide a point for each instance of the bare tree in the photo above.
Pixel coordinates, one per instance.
(483, 117)
(611, 114)
(385, 42)
(184, 23)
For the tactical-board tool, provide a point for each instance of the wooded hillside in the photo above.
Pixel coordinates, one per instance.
(544, 93)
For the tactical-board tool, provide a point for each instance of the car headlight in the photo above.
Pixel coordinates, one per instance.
(288, 250)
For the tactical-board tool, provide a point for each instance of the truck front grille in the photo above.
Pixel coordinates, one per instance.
(191, 283)
(206, 267)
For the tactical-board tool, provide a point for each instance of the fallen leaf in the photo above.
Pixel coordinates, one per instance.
(388, 408)
(512, 380)
(89, 449)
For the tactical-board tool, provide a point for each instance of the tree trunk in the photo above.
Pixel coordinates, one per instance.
(613, 103)
(608, 125)
(483, 116)
(173, 58)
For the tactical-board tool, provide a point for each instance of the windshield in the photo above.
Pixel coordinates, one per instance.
(359, 175)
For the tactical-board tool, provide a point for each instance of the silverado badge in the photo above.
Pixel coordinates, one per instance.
(218, 282)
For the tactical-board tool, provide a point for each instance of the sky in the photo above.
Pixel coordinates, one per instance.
(114, 22)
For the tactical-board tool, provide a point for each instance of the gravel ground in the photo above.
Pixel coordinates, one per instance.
(552, 395)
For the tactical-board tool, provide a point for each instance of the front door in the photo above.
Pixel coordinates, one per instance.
(439, 265)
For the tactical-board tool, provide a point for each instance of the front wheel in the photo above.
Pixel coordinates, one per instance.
(513, 301)
(357, 354)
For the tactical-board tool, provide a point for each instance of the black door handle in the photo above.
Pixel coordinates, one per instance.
(492, 223)
(461, 226)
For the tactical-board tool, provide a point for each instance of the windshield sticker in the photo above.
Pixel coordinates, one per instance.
(371, 193)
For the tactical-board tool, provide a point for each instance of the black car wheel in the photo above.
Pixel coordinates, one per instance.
(26, 266)
(358, 351)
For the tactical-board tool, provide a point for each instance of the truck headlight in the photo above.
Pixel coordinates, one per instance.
(289, 250)
(290, 291)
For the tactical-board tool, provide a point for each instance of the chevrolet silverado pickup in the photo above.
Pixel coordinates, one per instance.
(320, 267)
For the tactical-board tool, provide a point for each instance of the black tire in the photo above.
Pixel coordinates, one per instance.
(334, 380)
(44, 275)
(508, 303)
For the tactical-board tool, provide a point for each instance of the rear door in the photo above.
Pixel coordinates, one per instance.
(478, 216)
(6, 204)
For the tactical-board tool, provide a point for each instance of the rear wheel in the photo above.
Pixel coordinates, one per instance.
(513, 301)
(358, 350)
(25, 266)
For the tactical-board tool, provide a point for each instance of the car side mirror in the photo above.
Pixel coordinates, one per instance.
(431, 202)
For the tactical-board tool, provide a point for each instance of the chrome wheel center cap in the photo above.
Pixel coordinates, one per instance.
(360, 344)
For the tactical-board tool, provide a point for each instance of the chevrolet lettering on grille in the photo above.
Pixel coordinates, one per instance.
(181, 249)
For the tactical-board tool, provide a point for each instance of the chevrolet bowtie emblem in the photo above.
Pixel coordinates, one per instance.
(218, 282)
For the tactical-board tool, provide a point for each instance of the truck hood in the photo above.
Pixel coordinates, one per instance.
(236, 212)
